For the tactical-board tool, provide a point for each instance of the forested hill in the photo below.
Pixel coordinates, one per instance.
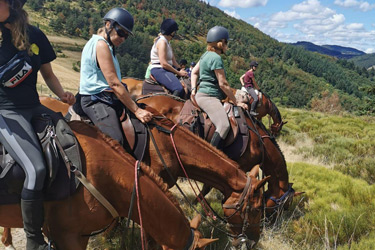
(292, 76)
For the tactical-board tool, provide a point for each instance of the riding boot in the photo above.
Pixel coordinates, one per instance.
(33, 218)
(217, 141)
(253, 107)
(176, 93)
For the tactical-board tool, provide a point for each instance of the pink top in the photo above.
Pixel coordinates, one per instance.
(248, 79)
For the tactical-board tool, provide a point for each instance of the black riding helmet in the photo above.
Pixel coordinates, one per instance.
(253, 63)
(216, 34)
(183, 61)
(122, 17)
(168, 26)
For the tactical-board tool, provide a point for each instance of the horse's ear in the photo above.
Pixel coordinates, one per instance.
(255, 171)
(202, 243)
(196, 221)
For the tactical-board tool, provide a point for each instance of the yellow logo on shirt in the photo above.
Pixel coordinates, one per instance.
(35, 49)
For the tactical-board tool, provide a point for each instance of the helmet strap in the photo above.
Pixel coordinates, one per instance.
(107, 31)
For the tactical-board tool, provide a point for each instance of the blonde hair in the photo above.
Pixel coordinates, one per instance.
(156, 38)
(215, 46)
(20, 38)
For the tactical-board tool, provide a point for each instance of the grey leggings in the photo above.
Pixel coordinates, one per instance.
(19, 139)
(215, 110)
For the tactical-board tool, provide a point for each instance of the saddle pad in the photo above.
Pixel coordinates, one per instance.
(148, 88)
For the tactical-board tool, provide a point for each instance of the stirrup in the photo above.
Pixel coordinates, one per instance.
(253, 113)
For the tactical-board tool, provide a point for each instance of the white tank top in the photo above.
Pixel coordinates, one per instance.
(155, 61)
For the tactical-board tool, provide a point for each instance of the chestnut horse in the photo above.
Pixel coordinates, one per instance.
(262, 149)
(134, 86)
(210, 166)
(265, 107)
(111, 171)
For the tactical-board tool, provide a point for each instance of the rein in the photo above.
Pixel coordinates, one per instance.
(244, 195)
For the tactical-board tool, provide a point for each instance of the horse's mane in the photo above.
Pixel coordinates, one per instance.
(145, 169)
(164, 121)
(272, 138)
(274, 109)
(160, 94)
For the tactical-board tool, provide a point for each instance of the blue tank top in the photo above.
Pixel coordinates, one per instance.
(92, 80)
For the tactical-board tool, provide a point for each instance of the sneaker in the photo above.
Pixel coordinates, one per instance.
(253, 113)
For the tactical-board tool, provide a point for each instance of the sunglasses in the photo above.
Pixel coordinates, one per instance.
(120, 32)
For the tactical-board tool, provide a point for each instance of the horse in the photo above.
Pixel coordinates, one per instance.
(112, 171)
(214, 169)
(265, 107)
(134, 86)
(262, 149)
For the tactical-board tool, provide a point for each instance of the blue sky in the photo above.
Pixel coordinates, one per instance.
(349, 23)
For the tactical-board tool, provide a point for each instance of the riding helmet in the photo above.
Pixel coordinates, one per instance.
(183, 61)
(253, 64)
(168, 26)
(216, 34)
(122, 17)
(193, 64)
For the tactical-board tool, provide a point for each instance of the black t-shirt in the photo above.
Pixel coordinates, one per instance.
(25, 94)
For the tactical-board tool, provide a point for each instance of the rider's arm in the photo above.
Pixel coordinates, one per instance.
(224, 86)
(54, 84)
(241, 79)
(255, 84)
(105, 61)
(162, 51)
(194, 78)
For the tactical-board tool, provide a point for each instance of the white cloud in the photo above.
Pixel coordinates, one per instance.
(242, 3)
(232, 14)
(360, 5)
(315, 23)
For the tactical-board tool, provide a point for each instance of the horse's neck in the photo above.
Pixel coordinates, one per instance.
(272, 111)
(203, 162)
(115, 179)
(273, 161)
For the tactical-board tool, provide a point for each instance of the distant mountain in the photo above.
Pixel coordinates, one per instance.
(367, 60)
(331, 50)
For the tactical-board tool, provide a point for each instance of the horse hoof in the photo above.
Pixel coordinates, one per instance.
(10, 247)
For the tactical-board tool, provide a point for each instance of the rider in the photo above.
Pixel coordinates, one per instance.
(248, 81)
(103, 95)
(213, 86)
(188, 70)
(19, 103)
(183, 64)
(164, 65)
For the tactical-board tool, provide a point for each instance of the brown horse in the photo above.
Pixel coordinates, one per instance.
(265, 107)
(210, 166)
(111, 171)
(134, 86)
(262, 149)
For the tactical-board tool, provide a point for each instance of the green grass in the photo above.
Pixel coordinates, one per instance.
(346, 142)
(337, 210)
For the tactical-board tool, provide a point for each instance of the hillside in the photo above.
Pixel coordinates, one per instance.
(366, 61)
(292, 75)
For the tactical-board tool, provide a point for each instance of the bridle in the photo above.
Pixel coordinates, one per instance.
(238, 206)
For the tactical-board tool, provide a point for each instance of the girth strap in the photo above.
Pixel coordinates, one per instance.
(96, 193)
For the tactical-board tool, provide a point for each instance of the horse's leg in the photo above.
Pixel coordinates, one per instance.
(6, 239)
(205, 190)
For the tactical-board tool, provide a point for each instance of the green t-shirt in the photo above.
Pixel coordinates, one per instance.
(209, 84)
(148, 71)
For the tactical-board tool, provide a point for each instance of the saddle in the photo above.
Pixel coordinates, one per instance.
(200, 124)
(151, 85)
(244, 97)
(61, 151)
(134, 130)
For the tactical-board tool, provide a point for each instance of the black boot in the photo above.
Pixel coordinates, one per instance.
(253, 107)
(217, 141)
(33, 218)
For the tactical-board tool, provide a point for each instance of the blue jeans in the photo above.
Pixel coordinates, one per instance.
(168, 80)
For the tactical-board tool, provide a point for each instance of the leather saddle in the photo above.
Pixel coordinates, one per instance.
(199, 123)
(151, 85)
(61, 151)
(134, 130)
(244, 97)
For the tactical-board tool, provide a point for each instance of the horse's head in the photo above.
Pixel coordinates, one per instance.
(276, 128)
(243, 211)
